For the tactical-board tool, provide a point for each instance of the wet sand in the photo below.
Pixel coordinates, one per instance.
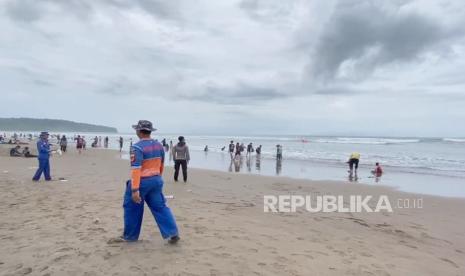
(62, 228)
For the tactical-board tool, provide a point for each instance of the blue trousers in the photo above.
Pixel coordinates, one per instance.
(151, 193)
(44, 167)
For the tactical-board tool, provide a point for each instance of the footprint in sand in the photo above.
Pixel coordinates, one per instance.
(450, 262)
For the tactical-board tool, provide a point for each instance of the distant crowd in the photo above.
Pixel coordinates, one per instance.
(179, 153)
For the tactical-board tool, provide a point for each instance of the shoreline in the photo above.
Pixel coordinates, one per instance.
(415, 183)
(426, 184)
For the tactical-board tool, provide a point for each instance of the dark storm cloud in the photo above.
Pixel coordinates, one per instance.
(369, 35)
(268, 11)
(118, 87)
(337, 90)
(29, 11)
(242, 94)
(157, 8)
(23, 10)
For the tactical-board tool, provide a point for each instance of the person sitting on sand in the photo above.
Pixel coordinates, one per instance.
(26, 153)
(14, 152)
(353, 160)
(378, 171)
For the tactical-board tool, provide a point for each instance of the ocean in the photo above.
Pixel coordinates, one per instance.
(421, 165)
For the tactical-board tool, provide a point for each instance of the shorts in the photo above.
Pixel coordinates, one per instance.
(353, 162)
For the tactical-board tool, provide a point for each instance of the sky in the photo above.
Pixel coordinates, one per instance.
(370, 68)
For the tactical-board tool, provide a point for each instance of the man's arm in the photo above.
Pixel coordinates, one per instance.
(162, 165)
(43, 147)
(136, 164)
(188, 156)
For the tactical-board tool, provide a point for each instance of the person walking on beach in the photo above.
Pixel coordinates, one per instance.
(181, 158)
(63, 143)
(354, 159)
(43, 148)
(146, 185)
(105, 142)
(79, 143)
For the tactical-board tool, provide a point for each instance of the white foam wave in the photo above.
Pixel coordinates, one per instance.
(454, 140)
(373, 141)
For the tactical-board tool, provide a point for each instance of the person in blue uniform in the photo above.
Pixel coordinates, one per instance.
(146, 186)
(43, 149)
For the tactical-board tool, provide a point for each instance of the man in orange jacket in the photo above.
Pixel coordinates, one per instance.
(146, 185)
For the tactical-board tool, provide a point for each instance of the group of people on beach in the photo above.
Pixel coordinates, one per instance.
(17, 152)
(236, 150)
(146, 183)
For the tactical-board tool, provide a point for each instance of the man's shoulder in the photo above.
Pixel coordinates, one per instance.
(143, 143)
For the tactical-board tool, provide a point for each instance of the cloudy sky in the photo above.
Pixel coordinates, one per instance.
(238, 66)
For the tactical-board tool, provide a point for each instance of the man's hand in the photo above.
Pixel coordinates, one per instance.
(136, 197)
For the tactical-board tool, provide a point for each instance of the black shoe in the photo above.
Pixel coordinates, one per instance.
(174, 239)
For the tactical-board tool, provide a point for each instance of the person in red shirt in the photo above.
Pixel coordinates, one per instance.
(378, 171)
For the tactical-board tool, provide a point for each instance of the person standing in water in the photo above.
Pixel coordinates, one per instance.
(43, 148)
(238, 150)
(378, 171)
(146, 185)
(279, 152)
(181, 158)
(258, 150)
(249, 149)
(120, 141)
(231, 149)
(354, 159)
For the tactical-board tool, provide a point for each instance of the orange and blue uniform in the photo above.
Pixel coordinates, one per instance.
(147, 158)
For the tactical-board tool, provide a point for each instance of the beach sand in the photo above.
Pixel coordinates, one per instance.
(62, 228)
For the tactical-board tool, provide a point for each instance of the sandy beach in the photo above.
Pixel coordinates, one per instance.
(62, 227)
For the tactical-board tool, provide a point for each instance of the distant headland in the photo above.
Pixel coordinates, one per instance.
(30, 124)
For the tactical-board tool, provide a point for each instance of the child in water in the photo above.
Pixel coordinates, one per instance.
(378, 171)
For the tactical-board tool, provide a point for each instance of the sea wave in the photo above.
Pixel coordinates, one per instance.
(454, 140)
(373, 141)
